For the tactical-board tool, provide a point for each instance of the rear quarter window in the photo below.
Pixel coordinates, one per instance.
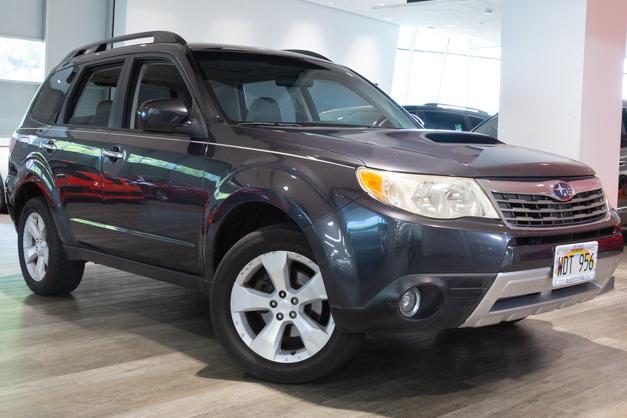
(51, 95)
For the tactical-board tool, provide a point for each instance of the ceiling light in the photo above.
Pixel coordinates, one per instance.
(330, 3)
(381, 4)
(450, 26)
(388, 18)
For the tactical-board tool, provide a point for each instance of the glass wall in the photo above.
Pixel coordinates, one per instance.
(435, 66)
(21, 71)
(21, 59)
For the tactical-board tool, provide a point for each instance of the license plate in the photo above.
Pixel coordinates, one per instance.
(574, 263)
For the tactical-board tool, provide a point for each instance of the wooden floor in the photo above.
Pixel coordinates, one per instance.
(127, 346)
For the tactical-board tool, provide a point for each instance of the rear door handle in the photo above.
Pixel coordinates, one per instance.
(114, 154)
(49, 145)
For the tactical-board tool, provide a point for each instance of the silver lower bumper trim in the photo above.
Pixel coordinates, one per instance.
(518, 294)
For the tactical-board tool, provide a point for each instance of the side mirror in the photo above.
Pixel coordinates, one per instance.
(163, 115)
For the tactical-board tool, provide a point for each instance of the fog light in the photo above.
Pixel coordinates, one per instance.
(410, 302)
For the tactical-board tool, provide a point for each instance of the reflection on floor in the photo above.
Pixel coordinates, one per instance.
(126, 345)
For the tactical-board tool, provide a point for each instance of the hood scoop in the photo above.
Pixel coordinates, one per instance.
(461, 138)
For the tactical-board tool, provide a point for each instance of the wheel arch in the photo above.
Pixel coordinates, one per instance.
(35, 179)
(243, 214)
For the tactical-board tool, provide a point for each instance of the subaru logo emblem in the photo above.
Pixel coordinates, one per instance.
(563, 191)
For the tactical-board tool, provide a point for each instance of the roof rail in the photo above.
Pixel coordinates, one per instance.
(455, 107)
(308, 53)
(158, 38)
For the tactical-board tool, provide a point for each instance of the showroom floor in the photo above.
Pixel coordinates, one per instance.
(125, 345)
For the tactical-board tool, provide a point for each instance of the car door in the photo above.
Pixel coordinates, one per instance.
(153, 180)
(72, 146)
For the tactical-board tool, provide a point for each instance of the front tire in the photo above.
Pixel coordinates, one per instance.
(45, 268)
(270, 309)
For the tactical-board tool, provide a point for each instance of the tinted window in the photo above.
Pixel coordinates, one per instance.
(253, 92)
(269, 89)
(335, 103)
(155, 80)
(444, 120)
(95, 99)
(49, 100)
(490, 127)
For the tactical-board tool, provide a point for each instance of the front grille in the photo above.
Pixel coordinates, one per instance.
(532, 210)
(597, 234)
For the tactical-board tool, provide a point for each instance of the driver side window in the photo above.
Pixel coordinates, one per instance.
(154, 80)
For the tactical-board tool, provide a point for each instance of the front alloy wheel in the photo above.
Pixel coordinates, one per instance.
(271, 311)
(279, 307)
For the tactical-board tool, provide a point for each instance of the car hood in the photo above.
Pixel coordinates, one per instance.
(412, 151)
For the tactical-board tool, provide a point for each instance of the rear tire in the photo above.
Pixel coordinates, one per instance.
(45, 267)
(270, 310)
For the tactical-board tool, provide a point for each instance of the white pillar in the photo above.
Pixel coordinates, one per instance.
(561, 80)
(72, 23)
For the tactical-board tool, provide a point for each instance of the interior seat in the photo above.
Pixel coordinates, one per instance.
(103, 110)
(264, 109)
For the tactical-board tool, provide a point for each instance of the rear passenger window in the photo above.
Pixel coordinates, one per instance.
(93, 103)
(155, 80)
(48, 102)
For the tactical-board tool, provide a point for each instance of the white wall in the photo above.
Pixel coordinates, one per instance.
(366, 45)
(561, 79)
(22, 18)
(16, 96)
(72, 23)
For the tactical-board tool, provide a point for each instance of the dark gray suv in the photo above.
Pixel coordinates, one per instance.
(298, 197)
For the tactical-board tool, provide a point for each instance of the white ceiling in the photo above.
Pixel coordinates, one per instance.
(477, 18)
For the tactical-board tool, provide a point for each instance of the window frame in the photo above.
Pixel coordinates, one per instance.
(132, 85)
(196, 115)
(81, 79)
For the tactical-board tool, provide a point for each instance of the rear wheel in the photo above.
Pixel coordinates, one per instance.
(44, 265)
(271, 311)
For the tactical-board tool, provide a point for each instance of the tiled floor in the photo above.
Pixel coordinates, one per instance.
(126, 345)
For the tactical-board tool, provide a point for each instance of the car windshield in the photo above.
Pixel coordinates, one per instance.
(264, 89)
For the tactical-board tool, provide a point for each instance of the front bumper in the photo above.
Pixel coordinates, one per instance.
(518, 294)
(472, 272)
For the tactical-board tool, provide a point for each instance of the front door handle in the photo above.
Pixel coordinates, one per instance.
(114, 154)
(49, 145)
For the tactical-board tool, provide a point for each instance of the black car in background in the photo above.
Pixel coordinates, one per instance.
(622, 172)
(298, 197)
(447, 117)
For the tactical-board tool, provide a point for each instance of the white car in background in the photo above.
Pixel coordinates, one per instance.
(4, 167)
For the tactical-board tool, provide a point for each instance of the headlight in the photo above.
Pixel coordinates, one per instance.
(438, 197)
